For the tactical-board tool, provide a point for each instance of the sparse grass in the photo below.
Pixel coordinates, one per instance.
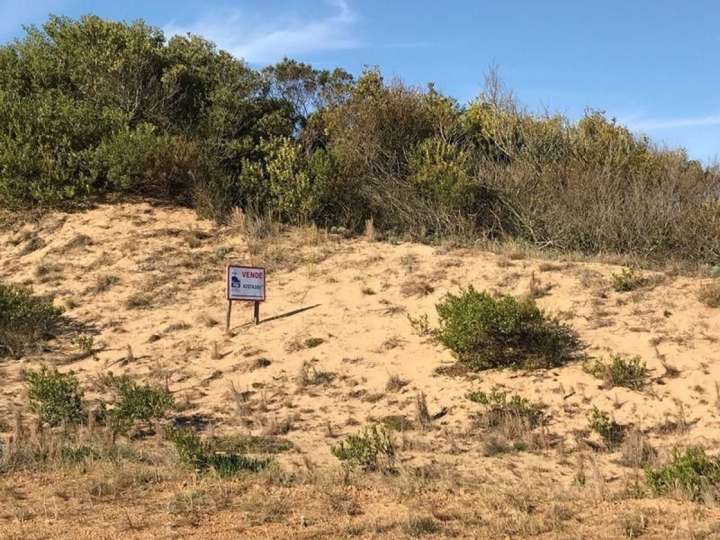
(416, 287)
(417, 526)
(251, 444)
(710, 294)
(397, 422)
(620, 371)
(507, 421)
(486, 332)
(310, 375)
(627, 280)
(422, 413)
(420, 325)
(371, 449)
(203, 455)
(636, 449)
(691, 473)
(313, 342)
(25, 320)
(499, 409)
(103, 283)
(138, 301)
(395, 383)
(55, 397)
(611, 432)
(84, 342)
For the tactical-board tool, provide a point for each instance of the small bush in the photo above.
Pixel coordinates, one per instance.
(610, 431)
(24, 319)
(371, 449)
(627, 280)
(499, 408)
(710, 294)
(486, 332)
(55, 397)
(691, 472)
(203, 455)
(134, 402)
(619, 371)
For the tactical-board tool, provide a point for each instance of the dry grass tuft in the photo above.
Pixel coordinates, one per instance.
(710, 294)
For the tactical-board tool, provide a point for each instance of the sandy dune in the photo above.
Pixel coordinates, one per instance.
(335, 329)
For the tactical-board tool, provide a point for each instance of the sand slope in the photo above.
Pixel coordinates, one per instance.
(151, 278)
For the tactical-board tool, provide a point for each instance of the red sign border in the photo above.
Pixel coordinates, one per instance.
(227, 282)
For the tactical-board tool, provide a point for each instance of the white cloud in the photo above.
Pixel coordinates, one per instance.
(263, 41)
(673, 123)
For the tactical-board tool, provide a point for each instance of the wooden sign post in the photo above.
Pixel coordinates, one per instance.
(245, 284)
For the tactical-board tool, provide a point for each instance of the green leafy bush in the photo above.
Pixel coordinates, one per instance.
(371, 449)
(204, 455)
(55, 397)
(610, 431)
(134, 402)
(90, 107)
(691, 472)
(25, 319)
(620, 371)
(486, 332)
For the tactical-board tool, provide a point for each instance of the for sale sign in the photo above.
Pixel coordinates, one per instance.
(245, 283)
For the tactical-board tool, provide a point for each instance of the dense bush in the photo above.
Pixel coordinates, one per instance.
(486, 332)
(24, 319)
(55, 397)
(89, 107)
(133, 402)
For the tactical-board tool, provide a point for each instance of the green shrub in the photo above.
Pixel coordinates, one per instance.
(371, 449)
(204, 455)
(486, 332)
(691, 472)
(55, 397)
(134, 402)
(24, 319)
(620, 371)
(610, 431)
(627, 280)
(142, 161)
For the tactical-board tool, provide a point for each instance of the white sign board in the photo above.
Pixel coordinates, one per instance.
(245, 283)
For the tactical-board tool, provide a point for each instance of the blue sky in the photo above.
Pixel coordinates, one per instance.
(652, 64)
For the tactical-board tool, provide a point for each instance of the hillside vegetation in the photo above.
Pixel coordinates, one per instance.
(91, 108)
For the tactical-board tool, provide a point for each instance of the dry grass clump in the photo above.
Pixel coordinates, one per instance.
(710, 294)
(508, 422)
(395, 383)
(416, 287)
